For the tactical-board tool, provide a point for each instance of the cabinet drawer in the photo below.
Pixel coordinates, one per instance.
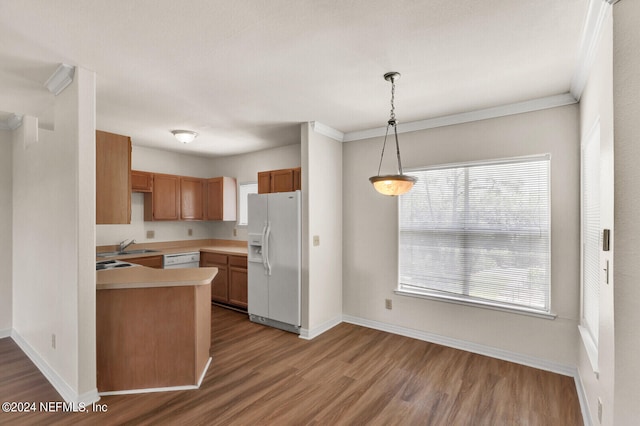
(213, 258)
(238, 261)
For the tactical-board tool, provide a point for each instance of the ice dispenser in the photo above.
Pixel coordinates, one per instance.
(255, 248)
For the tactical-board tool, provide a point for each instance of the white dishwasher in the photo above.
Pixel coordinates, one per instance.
(181, 260)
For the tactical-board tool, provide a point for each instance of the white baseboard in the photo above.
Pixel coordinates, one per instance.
(582, 397)
(5, 333)
(315, 332)
(65, 391)
(530, 361)
(165, 389)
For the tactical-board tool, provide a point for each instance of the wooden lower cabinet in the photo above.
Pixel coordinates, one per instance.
(230, 284)
(150, 261)
(238, 281)
(152, 337)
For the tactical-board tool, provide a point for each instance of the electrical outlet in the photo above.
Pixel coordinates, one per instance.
(316, 240)
(189, 232)
(388, 304)
(53, 340)
(151, 234)
(599, 410)
(235, 232)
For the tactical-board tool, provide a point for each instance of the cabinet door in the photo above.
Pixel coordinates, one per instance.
(192, 198)
(264, 182)
(238, 287)
(141, 181)
(150, 261)
(221, 198)
(220, 285)
(297, 179)
(282, 180)
(166, 197)
(238, 291)
(113, 178)
(215, 188)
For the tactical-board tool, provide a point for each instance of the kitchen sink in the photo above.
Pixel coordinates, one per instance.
(138, 251)
(123, 253)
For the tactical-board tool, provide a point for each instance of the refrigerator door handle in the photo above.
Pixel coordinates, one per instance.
(264, 249)
(266, 244)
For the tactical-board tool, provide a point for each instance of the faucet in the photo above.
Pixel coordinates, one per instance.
(124, 244)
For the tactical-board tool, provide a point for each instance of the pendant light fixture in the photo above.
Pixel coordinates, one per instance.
(392, 184)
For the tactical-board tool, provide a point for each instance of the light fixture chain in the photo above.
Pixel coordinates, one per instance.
(393, 97)
(384, 144)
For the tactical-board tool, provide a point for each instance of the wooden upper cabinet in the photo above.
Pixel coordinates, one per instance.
(164, 202)
(191, 198)
(141, 181)
(283, 180)
(297, 178)
(221, 198)
(264, 182)
(113, 178)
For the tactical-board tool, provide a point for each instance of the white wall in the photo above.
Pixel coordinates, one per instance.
(322, 209)
(596, 103)
(370, 264)
(626, 91)
(159, 161)
(245, 168)
(5, 233)
(54, 240)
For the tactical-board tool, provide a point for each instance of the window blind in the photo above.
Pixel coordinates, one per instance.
(479, 233)
(591, 232)
(244, 190)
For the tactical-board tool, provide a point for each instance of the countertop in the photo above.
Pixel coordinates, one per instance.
(143, 277)
(228, 247)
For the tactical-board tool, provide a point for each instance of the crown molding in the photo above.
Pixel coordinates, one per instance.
(597, 13)
(467, 117)
(327, 131)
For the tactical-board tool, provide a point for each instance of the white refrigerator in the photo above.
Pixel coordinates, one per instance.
(274, 259)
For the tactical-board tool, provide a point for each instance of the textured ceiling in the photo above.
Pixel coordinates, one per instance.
(244, 73)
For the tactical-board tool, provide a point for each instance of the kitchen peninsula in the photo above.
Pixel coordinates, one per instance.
(154, 325)
(153, 328)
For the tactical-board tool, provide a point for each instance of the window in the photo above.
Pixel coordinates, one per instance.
(244, 189)
(479, 233)
(590, 230)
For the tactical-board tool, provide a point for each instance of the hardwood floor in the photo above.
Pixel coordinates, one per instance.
(349, 375)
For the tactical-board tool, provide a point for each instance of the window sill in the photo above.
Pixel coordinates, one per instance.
(591, 348)
(475, 304)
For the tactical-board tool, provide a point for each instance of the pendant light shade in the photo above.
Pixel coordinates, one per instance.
(392, 184)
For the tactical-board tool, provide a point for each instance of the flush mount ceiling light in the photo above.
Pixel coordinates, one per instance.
(392, 184)
(60, 79)
(184, 136)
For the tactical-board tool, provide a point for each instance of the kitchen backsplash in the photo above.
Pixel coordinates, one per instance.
(164, 231)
